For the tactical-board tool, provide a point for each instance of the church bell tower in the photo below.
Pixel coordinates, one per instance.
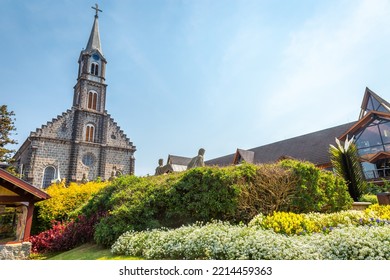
(90, 90)
(92, 126)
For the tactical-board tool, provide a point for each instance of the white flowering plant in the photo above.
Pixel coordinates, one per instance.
(223, 241)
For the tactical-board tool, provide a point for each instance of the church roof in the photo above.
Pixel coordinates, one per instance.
(94, 37)
(313, 147)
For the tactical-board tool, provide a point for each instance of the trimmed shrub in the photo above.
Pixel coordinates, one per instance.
(372, 198)
(317, 190)
(203, 194)
(235, 194)
(130, 202)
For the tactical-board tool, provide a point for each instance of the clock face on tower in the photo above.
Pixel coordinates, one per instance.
(95, 57)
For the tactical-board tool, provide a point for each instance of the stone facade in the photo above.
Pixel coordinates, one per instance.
(19, 251)
(84, 142)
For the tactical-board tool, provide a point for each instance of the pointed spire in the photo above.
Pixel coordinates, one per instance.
(94, 38)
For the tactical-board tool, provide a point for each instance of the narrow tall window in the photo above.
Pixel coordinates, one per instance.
(92, 100)
(95, 69)
(89, 133)
(48, 176)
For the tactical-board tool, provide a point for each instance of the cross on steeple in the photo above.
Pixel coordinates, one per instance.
(96, 8)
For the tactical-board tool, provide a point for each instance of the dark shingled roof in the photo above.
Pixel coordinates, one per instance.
(313, 147)
(178, 160)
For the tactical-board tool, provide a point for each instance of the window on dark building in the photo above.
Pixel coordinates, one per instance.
(95, 69)
(48, 176)
(92, 100)
(89, 133)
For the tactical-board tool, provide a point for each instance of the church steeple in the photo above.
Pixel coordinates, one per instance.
(94, 37)
(90, 90)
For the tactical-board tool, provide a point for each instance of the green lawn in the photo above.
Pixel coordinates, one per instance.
(84, 252)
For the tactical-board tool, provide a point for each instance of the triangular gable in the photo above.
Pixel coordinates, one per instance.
(373, 102)
(24, 190)
(176, 164)
(116, 136)
(243, 155)
(366, 119)
(57, 128)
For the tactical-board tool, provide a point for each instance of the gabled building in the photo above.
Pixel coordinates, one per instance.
(372, 136)
(174, 164)
(371, 133)
(84, 142)
(177, 163)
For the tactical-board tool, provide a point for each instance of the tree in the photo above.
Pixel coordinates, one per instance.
(6, 128)
(346, 163)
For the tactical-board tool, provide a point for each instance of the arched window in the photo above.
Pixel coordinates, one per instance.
(48, 176)
(77, 98)
(95, 69)
(89, 133)
(92, 100)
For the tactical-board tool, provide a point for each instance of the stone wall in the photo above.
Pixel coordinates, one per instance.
(19, 251)
(50, 153)
(91, 171)
(117, 160)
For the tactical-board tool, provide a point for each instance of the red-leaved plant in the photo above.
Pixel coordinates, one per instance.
(64, 236)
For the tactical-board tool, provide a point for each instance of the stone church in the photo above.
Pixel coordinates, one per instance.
(84, 142)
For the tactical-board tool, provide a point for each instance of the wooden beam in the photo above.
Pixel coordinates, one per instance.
(27, 230)
(8, 198)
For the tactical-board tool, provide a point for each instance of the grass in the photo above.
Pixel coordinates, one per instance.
(87, 251)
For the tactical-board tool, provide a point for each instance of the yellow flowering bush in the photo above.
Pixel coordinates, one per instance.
(283, 222)
(378, 211)
(291, 223)
(64, 200)
(286, 222)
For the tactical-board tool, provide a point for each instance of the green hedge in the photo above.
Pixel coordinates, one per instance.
(317, 190)
(233, 194)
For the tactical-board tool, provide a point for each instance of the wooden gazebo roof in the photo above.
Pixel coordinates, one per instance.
(19, 190)
(15, 192)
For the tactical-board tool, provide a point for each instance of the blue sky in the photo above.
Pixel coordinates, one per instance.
(181, 75)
